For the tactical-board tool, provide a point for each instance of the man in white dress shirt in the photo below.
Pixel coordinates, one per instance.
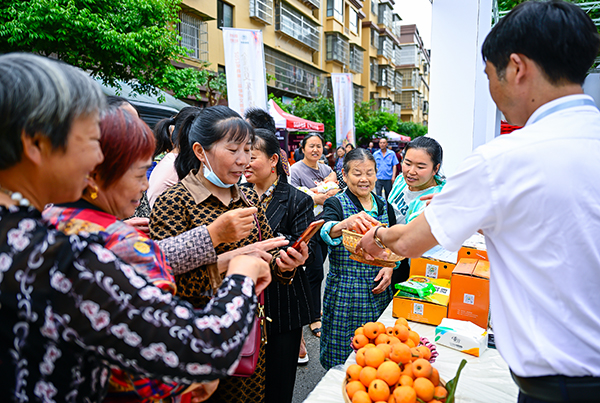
(535, 194)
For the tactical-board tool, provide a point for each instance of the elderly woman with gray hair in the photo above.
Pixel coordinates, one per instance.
(70, 308)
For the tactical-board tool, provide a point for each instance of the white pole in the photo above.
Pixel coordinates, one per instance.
(462, 113)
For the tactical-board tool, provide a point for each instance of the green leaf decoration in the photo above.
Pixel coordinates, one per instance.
(452, 383)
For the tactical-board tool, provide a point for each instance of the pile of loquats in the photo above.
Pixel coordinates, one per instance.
(391, 367)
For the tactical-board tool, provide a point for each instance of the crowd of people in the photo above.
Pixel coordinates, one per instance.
(135, 264)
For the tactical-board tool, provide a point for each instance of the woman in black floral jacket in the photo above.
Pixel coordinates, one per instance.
(69, 308)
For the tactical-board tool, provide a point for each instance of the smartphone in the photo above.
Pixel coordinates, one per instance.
(308, 233)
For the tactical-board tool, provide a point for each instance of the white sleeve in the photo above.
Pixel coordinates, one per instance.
(465, 205)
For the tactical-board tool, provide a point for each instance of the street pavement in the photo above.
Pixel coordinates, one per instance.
(308, 375)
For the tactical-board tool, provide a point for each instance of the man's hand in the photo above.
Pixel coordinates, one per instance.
(291, 258)
(369, 248)
(232, 226)
(139, 223)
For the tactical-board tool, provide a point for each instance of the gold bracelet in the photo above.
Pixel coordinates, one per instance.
(377, 240)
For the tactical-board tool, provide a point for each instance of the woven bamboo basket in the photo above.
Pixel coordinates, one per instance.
(351, 239)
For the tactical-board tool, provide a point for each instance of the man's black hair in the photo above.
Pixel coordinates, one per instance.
(260, 119)
(558, 36)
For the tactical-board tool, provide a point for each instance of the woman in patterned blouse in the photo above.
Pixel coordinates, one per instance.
(70, 309)
(217, 144)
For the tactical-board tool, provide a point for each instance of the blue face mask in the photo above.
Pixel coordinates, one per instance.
(212, 177)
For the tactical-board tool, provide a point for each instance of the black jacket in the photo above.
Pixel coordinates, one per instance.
(289, 213)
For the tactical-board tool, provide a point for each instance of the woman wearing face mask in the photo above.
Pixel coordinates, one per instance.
(289, 211)
(420, 177)
(355, 293)
(217, 143)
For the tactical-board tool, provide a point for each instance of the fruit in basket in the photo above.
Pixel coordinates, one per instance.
(353, 372)
(400, 353)
(359, 341)
(405, 394)
(379, 390)
(374, 357)
(354, 386)
(424, 389)
(391, 368)
(367, 375)
(389, 372)
(371, 330)
(422, 368)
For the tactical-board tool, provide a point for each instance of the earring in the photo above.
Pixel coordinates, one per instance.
(273, 170)
(94, 193)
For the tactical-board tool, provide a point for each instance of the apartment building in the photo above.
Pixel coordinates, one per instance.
(414, 66)
(305, 41)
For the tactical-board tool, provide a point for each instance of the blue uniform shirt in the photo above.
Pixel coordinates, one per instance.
(385, 163)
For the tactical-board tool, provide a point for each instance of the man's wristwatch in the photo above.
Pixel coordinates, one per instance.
(377, 240)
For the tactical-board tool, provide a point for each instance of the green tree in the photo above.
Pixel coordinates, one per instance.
(130, 40)
(411, 129)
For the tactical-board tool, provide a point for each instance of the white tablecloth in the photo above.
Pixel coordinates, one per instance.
(485, 379)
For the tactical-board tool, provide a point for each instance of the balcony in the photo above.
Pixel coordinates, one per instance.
(296, 25)
(312, 3)
(409, 100)
(386, 76)
(397, 53)
(358, 93)
(337, 48)
(386, 105)
(397, 83)
(356, 59)
(386, 47)
(385, 16)
(397, 108)
(409, 55)
(374, 67)
(262, 10)
(293, 76)
(194, 36)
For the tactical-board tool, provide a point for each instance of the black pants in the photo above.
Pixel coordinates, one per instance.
(282, 360)
(383, 184)
(314, 273)
(401, 274)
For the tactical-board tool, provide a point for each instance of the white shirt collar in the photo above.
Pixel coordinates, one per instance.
(553, 103)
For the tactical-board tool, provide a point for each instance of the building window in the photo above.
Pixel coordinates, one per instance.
(295, 24)
(337, 48)
(358, 93)
(398, 82)
(397, 55)
(335, 8)
(386, 76)
(194, 36)
(374, 38)
(374, 4)
(408, 55)
(262, 10)
(374, 74)
(385, 15)
(224, 15)
(293, 76)
(353, 21)
(356, 59)
(386, 47)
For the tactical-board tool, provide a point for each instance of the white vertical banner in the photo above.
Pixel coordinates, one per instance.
(245, 69)
(343, 98)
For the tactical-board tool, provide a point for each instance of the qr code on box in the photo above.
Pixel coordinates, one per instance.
(469, 299)
(431, 271)
(418, 309)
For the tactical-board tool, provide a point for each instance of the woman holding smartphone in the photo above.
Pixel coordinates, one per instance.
(289, 212)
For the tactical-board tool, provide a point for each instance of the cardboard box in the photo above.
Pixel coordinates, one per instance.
(474, 248)
(470, 293)
(430, 310)
(462, 336)
(434, 269)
